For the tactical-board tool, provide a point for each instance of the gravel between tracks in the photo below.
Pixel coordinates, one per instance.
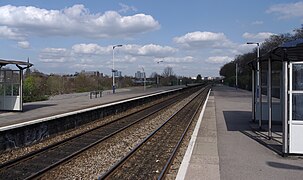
(15, 153)
(176, 163)
(97, 160)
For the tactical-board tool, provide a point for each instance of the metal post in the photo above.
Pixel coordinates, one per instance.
(20, 89)
(113, 70)
(284, 102)
(253, 96)
(144, 79)
(259, 85)
(158, 74)
(144, 82)
(236, 75)
(269, 99)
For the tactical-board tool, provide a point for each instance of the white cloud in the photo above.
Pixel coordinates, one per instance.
(186, 59)
(261, 36)
(24, 44)
(72, 21)
(85, 66)
(242, 48)
(287, 10)
(199, 36)
(126, 59)
(150, 50)
(156, 50)
(219, 59)
(257, 23)
(129, 58)
(88, 53)
(96, 57)
(90, 49)
(125, 8)
(55, 55)
(11, 33)
(204, 39)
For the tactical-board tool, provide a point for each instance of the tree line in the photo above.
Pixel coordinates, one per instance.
(38, 86)
(228, 71)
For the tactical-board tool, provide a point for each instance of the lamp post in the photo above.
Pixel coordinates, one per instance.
(113, 70)
(144, 80)
(258, 89)
(236, 76)
(158, 74)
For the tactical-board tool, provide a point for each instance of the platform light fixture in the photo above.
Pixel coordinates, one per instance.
(113, 70)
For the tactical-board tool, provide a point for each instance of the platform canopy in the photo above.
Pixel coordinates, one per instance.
(19, 64)
(288, 51)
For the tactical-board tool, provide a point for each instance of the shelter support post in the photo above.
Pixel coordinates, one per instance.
(259, 93)
(285, 107)
(253, 105)
(21, 89)
(269, 99)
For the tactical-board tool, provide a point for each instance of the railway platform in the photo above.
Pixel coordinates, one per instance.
(67, 103)
(222, 146)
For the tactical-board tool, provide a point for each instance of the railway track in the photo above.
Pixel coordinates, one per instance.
(152, 158)
(36, 163)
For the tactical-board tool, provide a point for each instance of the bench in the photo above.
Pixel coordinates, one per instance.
(95, 94)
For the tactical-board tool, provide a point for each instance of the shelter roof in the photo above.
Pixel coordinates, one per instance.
(291, 50)
(19, 64)
(288, 51)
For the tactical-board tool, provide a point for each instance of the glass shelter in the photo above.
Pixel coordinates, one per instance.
(278, 96)
(11, 85)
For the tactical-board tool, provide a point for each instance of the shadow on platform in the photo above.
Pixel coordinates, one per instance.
(284, 166)
(241, 121)
(237, 120)
(273, 143)
(28, 107)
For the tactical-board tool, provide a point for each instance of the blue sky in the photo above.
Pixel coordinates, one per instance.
(193, 37)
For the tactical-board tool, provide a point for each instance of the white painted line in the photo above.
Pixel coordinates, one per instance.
(185, 162)
(79, 111)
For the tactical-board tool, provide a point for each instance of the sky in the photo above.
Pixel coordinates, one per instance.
(190, 36)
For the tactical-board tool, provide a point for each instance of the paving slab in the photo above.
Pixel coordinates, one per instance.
(225, 146)
(240, 156)
(202, 172)
(201, 158)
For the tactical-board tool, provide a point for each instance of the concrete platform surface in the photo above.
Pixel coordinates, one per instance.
(223, 151)
(72, 102)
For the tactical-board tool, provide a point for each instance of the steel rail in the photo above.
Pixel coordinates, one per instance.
(92, 145)
(168, 163)
(11, 162)
(30, 155)
(114, 168)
